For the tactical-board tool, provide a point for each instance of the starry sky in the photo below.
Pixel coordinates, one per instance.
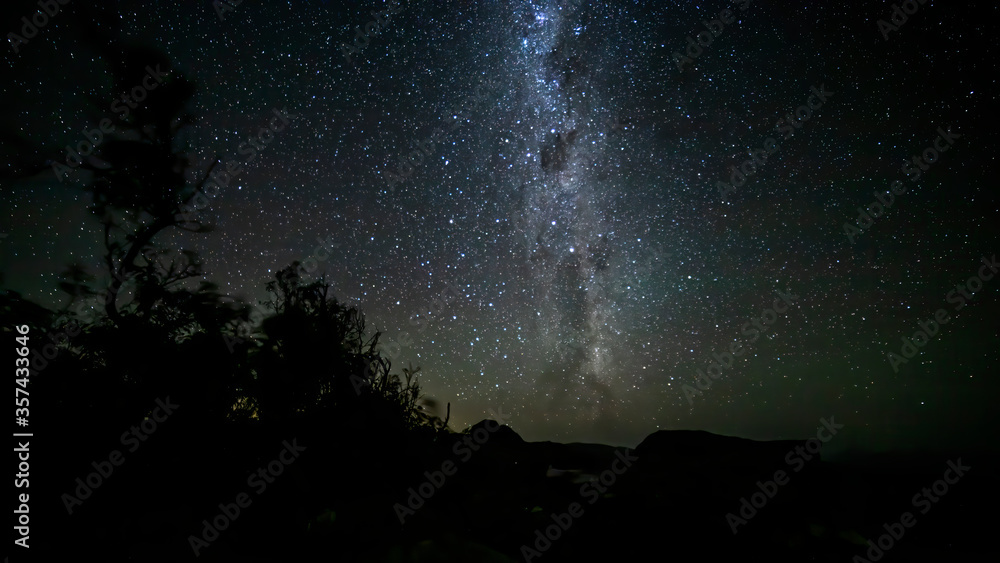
(559, 246)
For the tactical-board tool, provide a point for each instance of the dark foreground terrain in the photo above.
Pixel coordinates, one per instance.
(148, 445)
(355, 496)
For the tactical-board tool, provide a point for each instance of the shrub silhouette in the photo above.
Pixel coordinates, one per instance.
(311, 369)
(315, 358)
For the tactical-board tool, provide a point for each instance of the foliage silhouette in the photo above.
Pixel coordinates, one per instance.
(137, 179)
(316, 358)
(311, 370)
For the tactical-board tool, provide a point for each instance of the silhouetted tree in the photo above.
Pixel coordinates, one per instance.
(311, 370)
(316, 358)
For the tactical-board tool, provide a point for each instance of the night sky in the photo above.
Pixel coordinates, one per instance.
(562, 249)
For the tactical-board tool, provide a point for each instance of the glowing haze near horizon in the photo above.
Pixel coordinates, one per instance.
(576, 210)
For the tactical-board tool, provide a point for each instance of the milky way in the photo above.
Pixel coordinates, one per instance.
(556, 244)
(566, 235)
